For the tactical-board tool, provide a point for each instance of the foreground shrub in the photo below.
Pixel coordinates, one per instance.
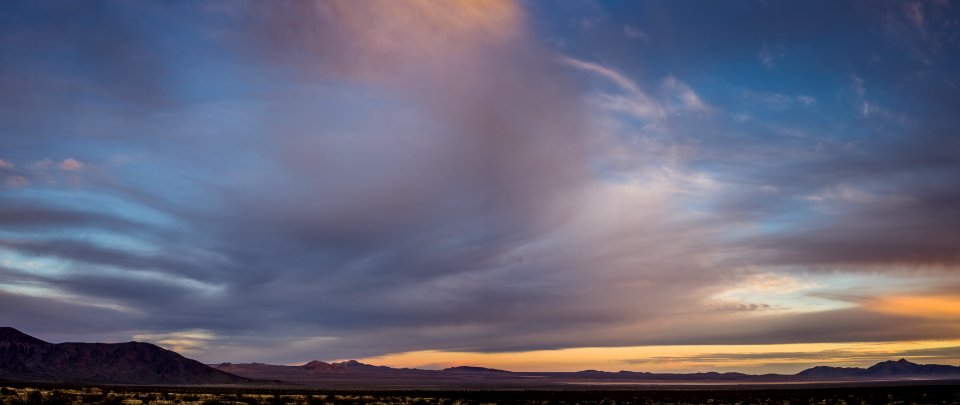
(91, 398)
(112, 400)
(35, 397)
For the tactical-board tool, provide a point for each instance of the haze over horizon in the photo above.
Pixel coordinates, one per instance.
(757, 186)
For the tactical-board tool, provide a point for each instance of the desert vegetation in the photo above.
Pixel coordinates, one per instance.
(80, 395)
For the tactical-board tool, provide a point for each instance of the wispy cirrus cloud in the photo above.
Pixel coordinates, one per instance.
(769, 55)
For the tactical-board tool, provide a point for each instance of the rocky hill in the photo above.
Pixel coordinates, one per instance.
(25, 358)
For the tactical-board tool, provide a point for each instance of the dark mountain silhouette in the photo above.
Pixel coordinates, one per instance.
(349, 373)
(25, 358)
(472, 369)
(353, 373)
(647, 376)
(903, 367)
(887, 369)
(348, 366)
(829, 372)
(318, 365)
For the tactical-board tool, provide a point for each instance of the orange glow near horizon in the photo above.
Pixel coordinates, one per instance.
(782, 358)
(938, 306)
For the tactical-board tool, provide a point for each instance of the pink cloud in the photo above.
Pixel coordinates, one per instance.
(71, 165)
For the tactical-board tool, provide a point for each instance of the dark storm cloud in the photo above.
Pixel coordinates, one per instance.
(874, 191)
(81, 252)
(848, 325)
(879, 202)
(27, 216)
(953, 352)
(721, 357)
(814, 357)
(65, 318)
(104, 49)
(419, 233)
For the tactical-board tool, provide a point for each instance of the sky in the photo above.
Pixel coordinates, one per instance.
(756, 186)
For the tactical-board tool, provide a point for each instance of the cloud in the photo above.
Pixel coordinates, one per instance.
(110, 45)
(857, 84)
(17, 181)
(610, 74)
(914, 12)
(441, 192)
(806, 100)
(846, 193)
(187, 342)
(675, 97)
(939, 307)
(472, 182)
(382, 177)
(41, 164)
(920, 30)
(22, 215)
(635, 33)
(70, 165)
(90, 253)
(314, 34)
(879, 222)
(865, 106)
(72, 318)
(736, 307)
(857, 354)
(683, 95)
(776, 101)
(770, 55)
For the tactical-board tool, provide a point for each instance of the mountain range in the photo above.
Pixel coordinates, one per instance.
(886, 369)
(25, 358)
(355, 374)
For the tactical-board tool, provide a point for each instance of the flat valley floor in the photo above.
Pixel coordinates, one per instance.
(68, 394)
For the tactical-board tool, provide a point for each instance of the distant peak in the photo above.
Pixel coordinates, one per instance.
(8, 334)
(475, 369)
(317, 365)
(353, 363)
(5, 330)
(901, 362)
